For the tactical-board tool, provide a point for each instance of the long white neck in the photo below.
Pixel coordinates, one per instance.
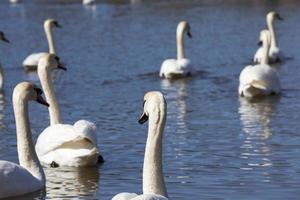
(270, 24)
(265, 54)
(26, 153)
(180, 44)
(50, 39)
(47, 85)
(153, 178)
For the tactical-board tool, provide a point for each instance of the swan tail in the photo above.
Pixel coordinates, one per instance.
(255, 88)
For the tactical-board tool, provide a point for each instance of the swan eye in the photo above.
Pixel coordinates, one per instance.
(38, 91)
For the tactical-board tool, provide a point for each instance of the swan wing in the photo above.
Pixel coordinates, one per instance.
(258, 55)
(172, 68)
(16, 180)
(124, 196)
(262, 77)
(33, 59)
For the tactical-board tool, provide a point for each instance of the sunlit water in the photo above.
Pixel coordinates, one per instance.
(216, 146)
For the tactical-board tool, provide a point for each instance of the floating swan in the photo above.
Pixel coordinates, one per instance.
(31, 62)
(29, 175)
(63, 144)
(88, 2)
(274, 52)
(180, 67)
(3, 38)
(260, 79)
(155, 109)
(14, 1)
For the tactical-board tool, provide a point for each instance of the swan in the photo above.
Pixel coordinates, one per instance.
(14, 1)
(31, 61)
(180, 67)
(3, 38)
(88, 2)
(63, 144)
(29, 175)
(275, 54)
(260, 79)
(155, 109)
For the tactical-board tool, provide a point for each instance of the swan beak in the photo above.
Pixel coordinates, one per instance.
(260, 43)
(279, 17)
(56, 24)
(189, 34)
(5, 39)
(41, 100)
(143, 118)
(62, 66)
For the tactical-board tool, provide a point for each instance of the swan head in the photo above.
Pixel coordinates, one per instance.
(50, 61)
(3, 38)
(273, 15)
(29, 92)
(51, 23)
(264, 37)
(154, 102)
(184, 26)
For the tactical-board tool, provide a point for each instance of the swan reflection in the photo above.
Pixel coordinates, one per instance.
(2, 105)
(72, 182)
(256, 119)
(175, 95)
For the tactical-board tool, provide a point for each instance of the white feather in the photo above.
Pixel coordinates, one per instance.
(133, 196)
(31, 61)
(172, 68)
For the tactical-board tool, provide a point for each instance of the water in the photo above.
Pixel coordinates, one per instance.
(216, 146)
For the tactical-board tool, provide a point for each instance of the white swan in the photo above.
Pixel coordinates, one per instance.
(155, 109)
(3, 38)
(88, 2)
(260, 79)
(180, 67)
(63, 144)
(14, 1)
(29, 175)
(275, 54)
(31, 62)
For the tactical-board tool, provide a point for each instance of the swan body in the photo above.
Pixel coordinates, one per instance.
(14, 1)
(275, 54)
(63, 144)
(154, 188)
(180, 67)
(29, 175)
(88, 2)
(30, 63)
(260, 79)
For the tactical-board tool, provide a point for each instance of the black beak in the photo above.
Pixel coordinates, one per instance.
(57, 24)
(39, 97)
(279, 17)
(260, 43)
(5, 40)
(143, 118)
(189, 34)
(62, 66)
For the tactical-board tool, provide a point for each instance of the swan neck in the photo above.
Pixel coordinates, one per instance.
(153, 177)
(44, 74)
(265, 55)
(26, 153)
(50, 39)
(180, 43)
(270, 24)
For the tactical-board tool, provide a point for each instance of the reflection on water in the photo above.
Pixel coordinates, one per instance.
(72, 182)
(2, 105)
(256, 119)
(175, 95)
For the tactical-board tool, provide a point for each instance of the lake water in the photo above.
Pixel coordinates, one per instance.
(216, 145)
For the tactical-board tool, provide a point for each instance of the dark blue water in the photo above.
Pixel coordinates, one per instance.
(216, 146)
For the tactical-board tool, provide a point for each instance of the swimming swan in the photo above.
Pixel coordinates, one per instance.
(275, 54)
(31, 62)
(63, 144)
(155, 109)
(180, 67)
(3, 38)
(29, 175)
(260, 79)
